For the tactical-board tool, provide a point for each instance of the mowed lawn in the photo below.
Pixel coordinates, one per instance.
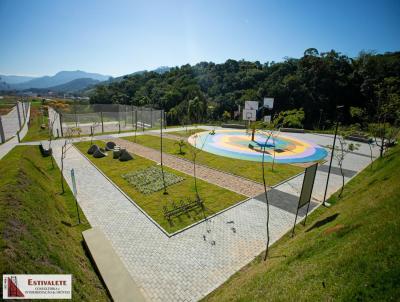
(215, 198)
(186, 133)
(248, 169)
(37, 118)
(347, 252)
(38, 225)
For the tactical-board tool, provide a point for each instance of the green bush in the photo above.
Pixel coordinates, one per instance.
(290, 118)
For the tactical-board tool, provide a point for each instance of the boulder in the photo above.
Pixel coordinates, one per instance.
(116, 153)
(110, 146)
(93, 149)
(99, 154)
(125, 156)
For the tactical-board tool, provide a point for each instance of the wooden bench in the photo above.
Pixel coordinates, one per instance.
(45, 149)
(183, 208)
(235, 126)
(359, 138)
(117, 279)
(293, 130)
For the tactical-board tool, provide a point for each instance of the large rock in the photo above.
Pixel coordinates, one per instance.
(125, 156)
(110, 146)
(116, 154)
(99, 154)
(92, 149)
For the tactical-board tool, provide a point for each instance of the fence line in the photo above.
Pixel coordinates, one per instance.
(103, 118)
(12, 122)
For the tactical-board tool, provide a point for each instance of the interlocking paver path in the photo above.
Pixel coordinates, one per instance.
(185, 267)
(219, 178)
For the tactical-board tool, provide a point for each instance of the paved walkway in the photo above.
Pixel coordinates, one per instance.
(11, 121)
(10, 144)
(219, 178)
(185, 267)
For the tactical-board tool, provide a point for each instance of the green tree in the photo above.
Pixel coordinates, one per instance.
(290, 118)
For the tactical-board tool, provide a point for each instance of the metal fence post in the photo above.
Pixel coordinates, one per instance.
(136, 120)
(141, 118)
(2, 136)
(76, 117)
(132, 115)
(151, 117)
(23, 111)
(119, 121)
(60, 118)
(126, 114)
(102, 124)
(19, 118)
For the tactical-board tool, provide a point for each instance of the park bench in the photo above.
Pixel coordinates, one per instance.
(293, 130)
(235, 126)
(45, 149)
(182, 208)
(359, 138)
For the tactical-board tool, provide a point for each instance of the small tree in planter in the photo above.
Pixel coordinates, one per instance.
(93, 128)
(70, 133)
(268, 134)
(51, 127)
(341, 150)
(181, 143)
(195, 152)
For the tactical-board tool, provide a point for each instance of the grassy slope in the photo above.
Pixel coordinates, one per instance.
(355, 257)
(215, 198)
(244, 168)
(35, 132)
(33, 237)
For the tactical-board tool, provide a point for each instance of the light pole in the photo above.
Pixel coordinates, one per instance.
(333, 150)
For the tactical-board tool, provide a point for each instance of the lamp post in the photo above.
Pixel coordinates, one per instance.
(333, 150)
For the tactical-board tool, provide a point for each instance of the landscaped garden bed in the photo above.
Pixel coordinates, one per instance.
(150, 180)
(214, 198)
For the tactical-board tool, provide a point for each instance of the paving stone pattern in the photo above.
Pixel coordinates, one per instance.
(185, 267)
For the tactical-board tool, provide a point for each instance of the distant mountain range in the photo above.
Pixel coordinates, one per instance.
(59, 78)
(63, 81)
(74, 86)
(13, 79)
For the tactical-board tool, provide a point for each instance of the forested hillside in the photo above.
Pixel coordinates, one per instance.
(316, 82)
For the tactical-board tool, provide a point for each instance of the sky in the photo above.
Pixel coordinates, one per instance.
(120, 37)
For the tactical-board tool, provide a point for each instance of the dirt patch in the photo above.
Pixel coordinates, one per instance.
(334, 229)
(14, 229)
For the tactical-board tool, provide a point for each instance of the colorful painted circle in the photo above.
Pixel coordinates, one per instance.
(237, 144)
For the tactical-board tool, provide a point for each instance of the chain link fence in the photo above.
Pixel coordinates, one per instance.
(12, 122)
(104, 118)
